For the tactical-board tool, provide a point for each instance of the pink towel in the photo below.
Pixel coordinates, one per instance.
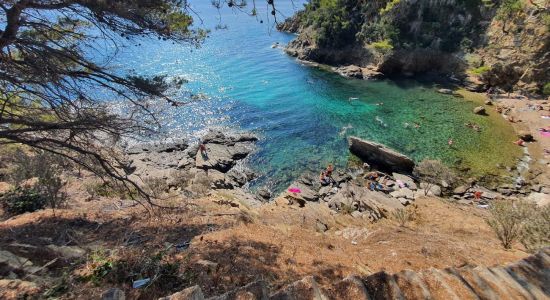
(545, 133)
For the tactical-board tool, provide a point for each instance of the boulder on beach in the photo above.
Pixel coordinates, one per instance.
(380, 156)
(480, 110)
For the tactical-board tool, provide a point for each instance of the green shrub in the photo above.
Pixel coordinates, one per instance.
(479, 71)
(384, 46)
(402, 216)
(546, 89)
(536, 230)
(156, 185)
(332, 21)
(546, 19)
(508, 10)
(347, 209)
(121, 267)
(383, 29)
(46, 190)
(433, 172)
(508, 219)
(21, 200)
(389, 6)
(50, 186)
(110, 190)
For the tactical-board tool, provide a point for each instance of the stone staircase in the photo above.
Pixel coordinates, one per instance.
(526, 279)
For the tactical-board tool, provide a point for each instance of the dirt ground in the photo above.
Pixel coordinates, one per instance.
(221, 243)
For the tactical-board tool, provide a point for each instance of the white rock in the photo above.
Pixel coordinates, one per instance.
(405, 179)
(539, 198)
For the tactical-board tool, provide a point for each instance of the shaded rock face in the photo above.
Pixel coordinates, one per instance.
(419, 61)
(380, 156)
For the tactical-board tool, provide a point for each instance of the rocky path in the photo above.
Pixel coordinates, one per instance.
(526, 279)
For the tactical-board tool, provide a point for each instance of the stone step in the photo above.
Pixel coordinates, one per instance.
(382, 285)
(411, 285)
(482, 288)
(511, 283)
(257, 290)
(351, 287)
(305, 289)
(437, 286)
(526, 279)
(533, 279)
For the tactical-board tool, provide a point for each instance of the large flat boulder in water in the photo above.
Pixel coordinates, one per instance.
(380, 156)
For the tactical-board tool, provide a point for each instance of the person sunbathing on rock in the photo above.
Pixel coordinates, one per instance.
(324, 179)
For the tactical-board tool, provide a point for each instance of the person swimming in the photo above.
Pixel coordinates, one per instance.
(380, 121)
(345, 129)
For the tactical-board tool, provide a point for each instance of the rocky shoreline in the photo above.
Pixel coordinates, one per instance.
(182, 166)
(373, 194)
(187, 170)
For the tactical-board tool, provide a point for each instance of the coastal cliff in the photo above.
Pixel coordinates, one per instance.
(482, 44)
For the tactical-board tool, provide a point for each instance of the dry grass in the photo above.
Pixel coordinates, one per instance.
(277, 243)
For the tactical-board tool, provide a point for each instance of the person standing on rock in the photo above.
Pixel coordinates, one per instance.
(203, 150)
(477, 195)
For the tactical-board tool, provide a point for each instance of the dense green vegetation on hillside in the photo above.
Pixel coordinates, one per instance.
(334, 20)
(339, 23)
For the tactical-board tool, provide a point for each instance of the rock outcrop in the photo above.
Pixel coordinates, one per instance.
(363, 202)
(526, 279)
(380, 156)
(181, 164)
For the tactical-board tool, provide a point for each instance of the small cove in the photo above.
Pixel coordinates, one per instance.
(303, 114)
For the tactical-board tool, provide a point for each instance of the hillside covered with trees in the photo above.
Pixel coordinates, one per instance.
(484, 44)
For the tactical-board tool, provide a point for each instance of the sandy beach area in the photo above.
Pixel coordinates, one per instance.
(530, 116)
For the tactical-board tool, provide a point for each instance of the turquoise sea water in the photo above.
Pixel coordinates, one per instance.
(302, 114)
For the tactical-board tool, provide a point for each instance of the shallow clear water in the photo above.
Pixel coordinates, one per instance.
(302, 114)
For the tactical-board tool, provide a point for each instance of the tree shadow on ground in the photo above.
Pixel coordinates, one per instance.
(162, 252)
(34, 239)
(237, 263)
